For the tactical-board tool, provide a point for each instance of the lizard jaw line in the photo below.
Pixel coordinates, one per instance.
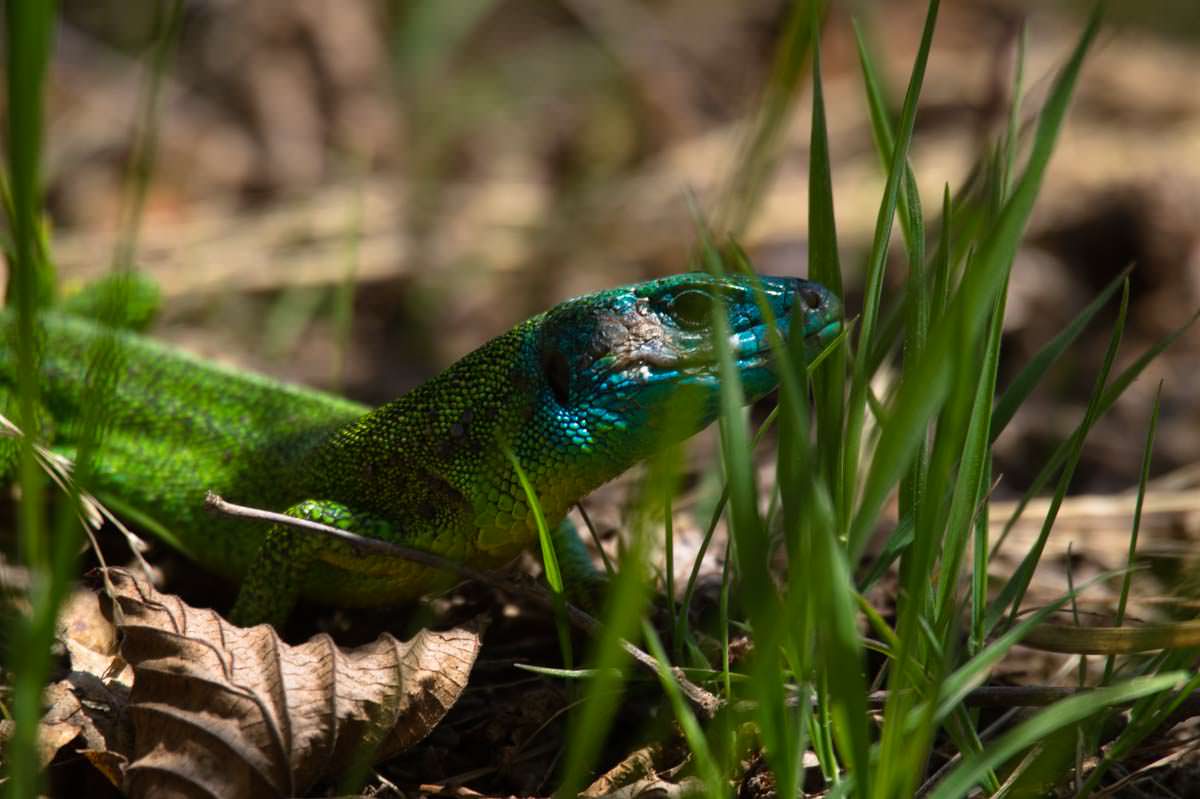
(705, 364)
(650, 365)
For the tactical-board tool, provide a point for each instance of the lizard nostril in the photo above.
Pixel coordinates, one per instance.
(811, 298)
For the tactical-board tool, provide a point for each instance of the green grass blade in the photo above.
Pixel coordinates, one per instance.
(1145, 717)
(1033, 372)
(1014, 113)
(884, 139)
(965, 212)
(714, 519)
(919, 398)
(549, 557)
(625, 604)
(706, 764)
(430, 33)
(942, 257)
(28, 31)
(958, 684)
(1111, 393)
(909, 724)
(1014, 591)
(749, 537)
(901, 754)
(899, 540)
(342, 312)
(1059, 715)
(824, 266)
(168, 21)
(796, 477)
(723, 615)
(839, 646)
(669, 557)
(1143, 478)
(822, 592)
(760, 152)
(969, 487)
(856, 409)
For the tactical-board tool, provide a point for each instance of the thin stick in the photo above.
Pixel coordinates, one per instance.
(704, 702)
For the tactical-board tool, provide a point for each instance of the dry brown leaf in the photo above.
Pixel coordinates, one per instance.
(89, 704)
(110, 764)
(68, 718)
(100, 680)
(635, 767)
(91, 640)
(62, 723)
(687, 788)
(219, 710)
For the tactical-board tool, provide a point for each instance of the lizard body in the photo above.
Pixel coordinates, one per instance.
(577, 395)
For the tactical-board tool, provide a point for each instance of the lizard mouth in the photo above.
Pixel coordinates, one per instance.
(752, 350)
(691, 359)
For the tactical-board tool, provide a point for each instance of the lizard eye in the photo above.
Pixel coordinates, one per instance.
(558, 374)
(691, 309)
(812, 299)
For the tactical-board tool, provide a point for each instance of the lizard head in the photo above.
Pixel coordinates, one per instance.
(622, 363)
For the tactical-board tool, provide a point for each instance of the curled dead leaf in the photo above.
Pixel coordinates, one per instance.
(219, 710)
(64, 721)
(87, 706)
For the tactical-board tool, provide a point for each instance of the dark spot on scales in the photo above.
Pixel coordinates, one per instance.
(457, 430)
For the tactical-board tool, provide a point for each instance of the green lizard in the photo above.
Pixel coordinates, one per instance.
(577, 394)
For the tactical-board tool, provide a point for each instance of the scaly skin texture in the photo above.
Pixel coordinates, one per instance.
(578, 394)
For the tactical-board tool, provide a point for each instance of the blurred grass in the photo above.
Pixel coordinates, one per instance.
(756, 163)
(28, 33)
(120, 300)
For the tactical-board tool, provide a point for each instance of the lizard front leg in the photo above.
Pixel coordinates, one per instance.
(272, 583)
(585, 584)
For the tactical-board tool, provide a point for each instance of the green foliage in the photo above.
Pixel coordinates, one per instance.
(929, 441)
(1066, 712)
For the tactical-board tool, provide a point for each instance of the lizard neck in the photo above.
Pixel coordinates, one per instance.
(444, 442)
(435, 458)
